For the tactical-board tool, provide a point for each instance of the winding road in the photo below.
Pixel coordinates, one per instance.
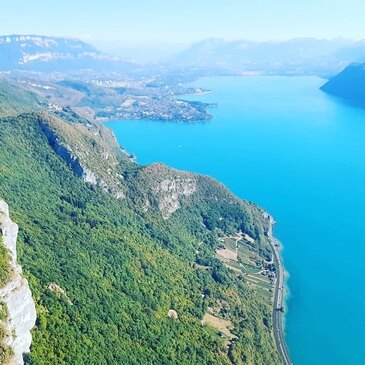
(278, 303)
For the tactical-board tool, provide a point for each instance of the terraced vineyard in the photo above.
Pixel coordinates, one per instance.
(238, 255)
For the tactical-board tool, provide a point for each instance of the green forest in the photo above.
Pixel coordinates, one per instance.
(122, 269)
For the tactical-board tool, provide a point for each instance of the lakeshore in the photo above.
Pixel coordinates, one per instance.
(303, 165)
(279, 298)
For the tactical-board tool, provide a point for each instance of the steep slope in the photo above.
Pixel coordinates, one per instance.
(14, 99)
(48, 54)
(90, 149)
(17, 309)
(348, 84)
(128, 280)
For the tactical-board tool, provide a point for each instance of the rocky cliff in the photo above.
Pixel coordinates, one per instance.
(16, 295)
(88, 149)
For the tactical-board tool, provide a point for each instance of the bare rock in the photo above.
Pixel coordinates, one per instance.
(16, 295)
(172, 314)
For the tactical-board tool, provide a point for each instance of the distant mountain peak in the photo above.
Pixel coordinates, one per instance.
(48, 54)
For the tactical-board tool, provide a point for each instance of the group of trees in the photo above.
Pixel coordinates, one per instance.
(5, 351)
(122, 270)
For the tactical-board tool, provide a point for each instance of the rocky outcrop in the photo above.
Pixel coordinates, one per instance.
(66, 154)
(172, 314)
(166, 188)
(77, 156)
(55, 288)
(170, 190)
(16, 295)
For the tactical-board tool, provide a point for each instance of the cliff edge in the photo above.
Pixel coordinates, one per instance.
(16, 297)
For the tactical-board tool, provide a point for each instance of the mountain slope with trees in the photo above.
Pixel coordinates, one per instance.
(107, 271)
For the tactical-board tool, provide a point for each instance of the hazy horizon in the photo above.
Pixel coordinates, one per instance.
(185, 22)
(156, 50)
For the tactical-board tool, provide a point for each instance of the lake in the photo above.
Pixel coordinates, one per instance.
(300, 154)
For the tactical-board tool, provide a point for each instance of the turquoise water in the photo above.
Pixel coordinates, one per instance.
(300, 154)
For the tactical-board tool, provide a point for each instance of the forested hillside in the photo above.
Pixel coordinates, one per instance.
(123, 268)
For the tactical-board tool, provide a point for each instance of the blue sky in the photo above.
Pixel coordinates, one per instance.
(184, 21)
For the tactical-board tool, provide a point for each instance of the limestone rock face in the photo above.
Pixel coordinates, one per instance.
(165, 188)
(78, 156)
(66, 154)
(171, 190)
(16, 294)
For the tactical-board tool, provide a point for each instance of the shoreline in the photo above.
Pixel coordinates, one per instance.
(278, 298)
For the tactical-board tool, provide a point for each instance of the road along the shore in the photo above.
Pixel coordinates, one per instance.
(278, 303)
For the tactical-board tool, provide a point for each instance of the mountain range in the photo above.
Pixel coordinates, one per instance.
(302, 56)
(50, 54)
